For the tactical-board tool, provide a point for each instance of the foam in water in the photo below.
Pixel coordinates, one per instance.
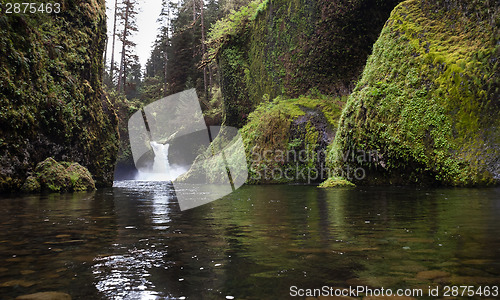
(161, 170)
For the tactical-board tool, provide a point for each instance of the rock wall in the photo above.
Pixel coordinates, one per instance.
(51, 100)
(288, 47)
(427, 108)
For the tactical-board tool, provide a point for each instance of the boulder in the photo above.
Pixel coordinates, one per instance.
(45, 296)
(53, 176)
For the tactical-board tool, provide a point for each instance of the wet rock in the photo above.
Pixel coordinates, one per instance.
(310, 257)
(382, 281)
(290, 135)
(443, 280)
(409, 267)
(12, 283)
(65, 242)
(447, 264)
(474, 280)
(27, 272)
(425, 251)
(45, 296)
(356, 282)
(50, 106)
(432, 274)
(466, 271)
(312, 65)
(62, 236)
(415, 240)
(477, 262)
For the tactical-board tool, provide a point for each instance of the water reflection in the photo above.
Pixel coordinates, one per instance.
(46, 241)
(126, 276)
(132, 241)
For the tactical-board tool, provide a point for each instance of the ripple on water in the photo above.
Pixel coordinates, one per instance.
(132, 242)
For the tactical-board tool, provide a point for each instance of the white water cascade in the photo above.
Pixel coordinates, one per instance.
(161, 170)
(160, 165)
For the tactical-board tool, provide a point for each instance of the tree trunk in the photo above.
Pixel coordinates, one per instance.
(203, 49)
(112, 66)
(105, 52)
(123, 66)
(166, 41)
(165, 70)
(194, 28)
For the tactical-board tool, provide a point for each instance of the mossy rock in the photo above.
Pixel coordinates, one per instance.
(53, 176)
(333, 182)
(428, 100)
(31, 185)
(286, 139)
(80, 178)
(45, 296)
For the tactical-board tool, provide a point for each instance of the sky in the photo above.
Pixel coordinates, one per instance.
(146, 23)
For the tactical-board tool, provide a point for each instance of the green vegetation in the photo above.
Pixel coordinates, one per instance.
(287, 48)
(213, 168)
(285, 139)
(52, 176)
(124, 109)
(428, 100)
(336, 182)
(426, 108)
(51, 101)
(175, 65)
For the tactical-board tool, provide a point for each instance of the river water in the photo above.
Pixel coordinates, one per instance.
(133, 242)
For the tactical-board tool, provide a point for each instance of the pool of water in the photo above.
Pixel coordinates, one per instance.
(133, 242)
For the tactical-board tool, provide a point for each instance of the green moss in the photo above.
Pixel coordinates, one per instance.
(52, 176)
(288, 48)
(427, 101)
(31, 185)
(284, 138)
(51, 101)
(334, 182)
(80, 178)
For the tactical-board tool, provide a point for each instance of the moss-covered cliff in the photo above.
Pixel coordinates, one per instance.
(287, 47)
(427, 108)
(51, 100)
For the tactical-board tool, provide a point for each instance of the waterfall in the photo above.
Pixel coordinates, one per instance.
(161, 169)
(160, 164)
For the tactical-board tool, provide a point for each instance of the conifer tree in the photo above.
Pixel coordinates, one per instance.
(112, 64)
(127, 13)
